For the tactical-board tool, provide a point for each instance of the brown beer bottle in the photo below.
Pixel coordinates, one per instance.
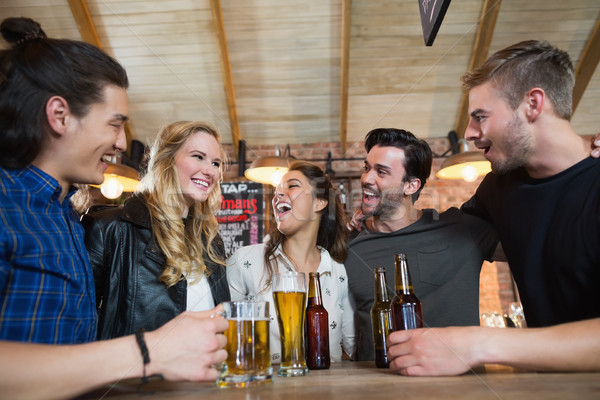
(406, 307)
(381, 319)
(317, 327)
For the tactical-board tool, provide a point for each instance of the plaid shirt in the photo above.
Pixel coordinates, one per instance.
(46, 283)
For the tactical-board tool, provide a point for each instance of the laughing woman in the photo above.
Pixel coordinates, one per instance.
(310, 237)
(161, 254)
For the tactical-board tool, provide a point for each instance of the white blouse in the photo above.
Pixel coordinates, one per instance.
(199, 295)
(247, 280)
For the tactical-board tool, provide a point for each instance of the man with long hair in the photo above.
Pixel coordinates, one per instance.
(63, 107)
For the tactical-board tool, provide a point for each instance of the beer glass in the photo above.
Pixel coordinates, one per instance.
(248, 353)
(289, 293)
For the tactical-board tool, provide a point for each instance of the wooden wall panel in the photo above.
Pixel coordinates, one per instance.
(285, 64)
(566, 24)
(171, 54)
(54, 16)
(285, 61)
(418, 93)
(585, 119)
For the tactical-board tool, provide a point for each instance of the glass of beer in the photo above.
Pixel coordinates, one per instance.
(248, 354)
(289, 293)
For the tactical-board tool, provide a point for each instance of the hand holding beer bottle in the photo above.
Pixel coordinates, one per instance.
(406, 307)
(317, 327)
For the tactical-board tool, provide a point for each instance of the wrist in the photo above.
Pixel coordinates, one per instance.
(153, 368)
(141, 342)
(491, 347)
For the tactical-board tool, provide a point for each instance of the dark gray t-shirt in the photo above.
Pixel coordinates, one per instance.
(445, 252)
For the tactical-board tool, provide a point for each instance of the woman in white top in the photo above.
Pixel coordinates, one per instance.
(310, 237)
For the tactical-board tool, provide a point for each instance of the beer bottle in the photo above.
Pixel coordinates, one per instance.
(317, 327)
(381, 319)
(406, 307)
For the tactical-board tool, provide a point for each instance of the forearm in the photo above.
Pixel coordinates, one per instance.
(566, 347)
(42, 371)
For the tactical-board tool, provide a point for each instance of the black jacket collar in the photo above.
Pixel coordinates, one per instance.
(136, 211)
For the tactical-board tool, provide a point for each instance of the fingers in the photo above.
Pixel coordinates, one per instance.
(401, 362)
(355, 223)
(398, 337)
(189, 346)
(210, 374)
(596, 146)
(403, 355)
(215, 312)
(220, 356)
(212, 320)
(214, 359)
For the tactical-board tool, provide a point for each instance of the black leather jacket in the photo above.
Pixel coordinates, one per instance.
(127, 264)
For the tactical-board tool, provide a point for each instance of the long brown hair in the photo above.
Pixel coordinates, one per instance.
(332, 233)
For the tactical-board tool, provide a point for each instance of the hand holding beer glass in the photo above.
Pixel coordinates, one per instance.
(248, 353)
(289, 293)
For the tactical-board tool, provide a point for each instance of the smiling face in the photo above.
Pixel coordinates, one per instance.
(198, 164)
(383, 182)
(93, 138)
(294, 204)
(500, 131)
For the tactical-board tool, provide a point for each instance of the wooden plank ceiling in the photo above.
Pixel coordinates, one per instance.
(305, 71)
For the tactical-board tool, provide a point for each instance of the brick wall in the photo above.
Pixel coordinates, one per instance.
(496, 288)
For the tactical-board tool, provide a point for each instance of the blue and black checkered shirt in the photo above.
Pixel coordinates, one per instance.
(46, 282)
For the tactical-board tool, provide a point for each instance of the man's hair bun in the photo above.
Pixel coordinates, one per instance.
(18, 30)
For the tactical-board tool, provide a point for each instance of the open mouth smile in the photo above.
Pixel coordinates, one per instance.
(283, 208)
(203, 184)
(370, 197)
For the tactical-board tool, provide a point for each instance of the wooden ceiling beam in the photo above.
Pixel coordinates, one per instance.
(481, 48)
(84, 22)
(219, 27)
(345, 70)
(587, 64)
(87, 30)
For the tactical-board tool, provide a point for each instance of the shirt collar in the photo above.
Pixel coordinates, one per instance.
(324, 266)
(42, 184)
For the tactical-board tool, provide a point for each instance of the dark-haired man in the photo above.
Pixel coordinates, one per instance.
(63, 106)
(445, 250)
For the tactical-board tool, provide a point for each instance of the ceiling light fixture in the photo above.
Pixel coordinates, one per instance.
(465, 164)
(118, 178)
(269, 170)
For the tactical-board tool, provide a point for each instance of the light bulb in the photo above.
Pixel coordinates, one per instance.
(111, 188)
(469, 173)
(276, 177)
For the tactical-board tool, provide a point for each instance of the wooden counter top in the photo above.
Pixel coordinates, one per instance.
(362, 381)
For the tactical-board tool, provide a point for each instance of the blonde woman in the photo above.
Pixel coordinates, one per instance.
(310, 237)
(160, 253)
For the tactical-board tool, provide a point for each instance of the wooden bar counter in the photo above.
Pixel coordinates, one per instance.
(362, 381)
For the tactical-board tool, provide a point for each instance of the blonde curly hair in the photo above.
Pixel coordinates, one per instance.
(184, 244)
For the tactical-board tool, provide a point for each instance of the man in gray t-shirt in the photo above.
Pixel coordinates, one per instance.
(445, 251)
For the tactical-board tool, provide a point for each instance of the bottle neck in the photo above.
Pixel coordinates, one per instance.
(403, 282)
(314, 290)
(381, 292)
